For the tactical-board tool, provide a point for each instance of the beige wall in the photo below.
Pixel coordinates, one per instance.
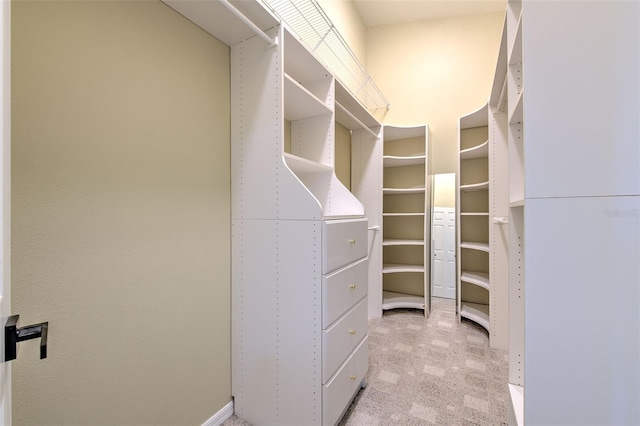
(343, 155)
(444, 190)
(435, 71)
(121, 220)
(345, 17)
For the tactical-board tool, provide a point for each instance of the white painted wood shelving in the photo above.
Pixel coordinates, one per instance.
(299, 236)
(406, 224)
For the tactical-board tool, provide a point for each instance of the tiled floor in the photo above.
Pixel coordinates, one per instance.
(436, 371)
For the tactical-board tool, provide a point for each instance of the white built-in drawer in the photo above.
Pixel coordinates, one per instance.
(337, 394)
(342, 289)
(344, 241)
(339, 340)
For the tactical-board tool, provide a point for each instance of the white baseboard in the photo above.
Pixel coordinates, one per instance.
(222, 415)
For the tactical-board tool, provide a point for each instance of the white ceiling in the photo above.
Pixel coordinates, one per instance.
(382, 12)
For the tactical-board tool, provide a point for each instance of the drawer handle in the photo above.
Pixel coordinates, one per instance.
(352, 241)
(352, 332)
(352, 286)
(352, 377)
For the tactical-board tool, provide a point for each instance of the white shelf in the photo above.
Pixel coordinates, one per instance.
(402, 242)
(475, 119)
(398, 161)
(404, 214)
(480, 151)
(475, 246)
(515, 116)
(476, 313)
(474, 214)
(301, 103)
(497, 97)
(477, 278)
(392, 300)
(302, 166)
(516, 395)
(358, 115)
(392, 133)
(475, 186)
(390, 191)
(299, 62)
(517, 203)
(391, 268)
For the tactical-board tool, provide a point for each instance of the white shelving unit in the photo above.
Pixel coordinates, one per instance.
(483, 214)
(406, 224)
(299, 352)
(473, 230)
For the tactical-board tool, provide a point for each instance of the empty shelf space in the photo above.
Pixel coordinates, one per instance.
(480, 151)
(401, 242)
(391, 268)
(515, 55)
(475, 246)
(303, 166)
(397, 161)
(474, 214)
(478, 278)
(475, 186)
(300, 103)
(389, 191)
(476, 313)
(392, 300)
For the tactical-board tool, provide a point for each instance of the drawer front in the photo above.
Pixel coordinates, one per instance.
(339, 340)
(337, 394)
(342, 289)
(344, 241)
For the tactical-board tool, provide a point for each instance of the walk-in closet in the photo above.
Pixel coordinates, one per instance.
(315, 212)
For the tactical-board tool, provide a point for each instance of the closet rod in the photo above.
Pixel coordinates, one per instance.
(270, 42)
(360, 123)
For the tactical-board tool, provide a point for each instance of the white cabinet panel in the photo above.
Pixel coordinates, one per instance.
(582, 323)
(342, 289)
(340, 339)
(344, 241)
(581, 114)
(344, 384)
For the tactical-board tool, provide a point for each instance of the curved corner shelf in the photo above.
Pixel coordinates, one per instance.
(398, 161)
(392, 300)
(392, 268)
(475, 246)
(476, 313)
(477, 278)
(475, 186)
(389, 191)
(479, 151)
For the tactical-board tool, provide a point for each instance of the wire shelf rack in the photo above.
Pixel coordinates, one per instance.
(307, 21)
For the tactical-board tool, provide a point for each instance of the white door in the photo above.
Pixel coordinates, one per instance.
(5, 126)
(443, 249)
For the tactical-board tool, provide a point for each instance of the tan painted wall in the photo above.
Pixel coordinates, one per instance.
(121, 214)
(433, 72)
(444, 190)
(344, 15)
(343, 155)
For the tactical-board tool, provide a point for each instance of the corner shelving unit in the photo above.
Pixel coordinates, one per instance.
(406, 194)
(473, 218)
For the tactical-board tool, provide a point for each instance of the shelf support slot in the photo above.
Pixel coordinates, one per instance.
(231, 8)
